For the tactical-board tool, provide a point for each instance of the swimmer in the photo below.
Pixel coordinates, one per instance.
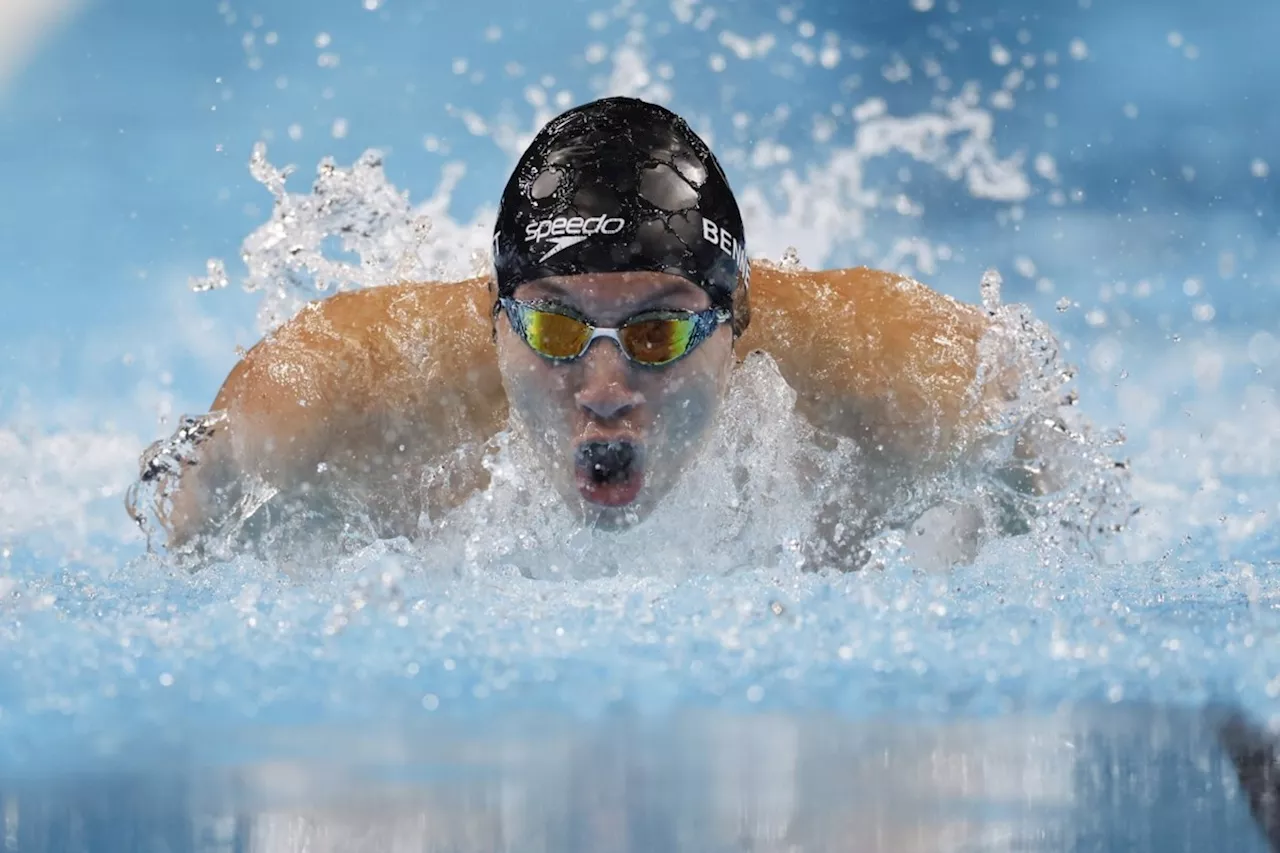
(621, 300)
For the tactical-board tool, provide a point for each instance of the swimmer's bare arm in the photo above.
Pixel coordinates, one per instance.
(362, 387)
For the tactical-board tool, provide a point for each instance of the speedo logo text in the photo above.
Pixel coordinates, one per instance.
(566, 231)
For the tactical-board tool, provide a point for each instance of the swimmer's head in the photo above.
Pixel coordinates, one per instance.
(622, 185)
(618, 217)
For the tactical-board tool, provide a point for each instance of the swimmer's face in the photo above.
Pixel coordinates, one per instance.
(615, 435)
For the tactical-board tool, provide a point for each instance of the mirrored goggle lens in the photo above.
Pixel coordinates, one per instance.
(555, 335)
(657, 341)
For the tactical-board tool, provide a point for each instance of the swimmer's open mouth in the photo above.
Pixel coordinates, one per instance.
(609, 473)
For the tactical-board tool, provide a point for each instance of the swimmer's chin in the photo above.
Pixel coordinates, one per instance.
(613, 518)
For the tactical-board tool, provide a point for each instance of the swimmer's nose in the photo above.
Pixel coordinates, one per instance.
(605, 391)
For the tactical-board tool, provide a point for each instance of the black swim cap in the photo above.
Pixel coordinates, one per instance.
(620, 184)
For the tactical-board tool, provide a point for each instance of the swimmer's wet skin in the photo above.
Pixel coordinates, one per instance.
(622, 298)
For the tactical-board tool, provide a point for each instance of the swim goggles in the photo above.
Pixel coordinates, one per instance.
(650, 338)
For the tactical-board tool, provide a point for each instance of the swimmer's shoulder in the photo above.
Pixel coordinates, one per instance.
(333, 377)
(852, 301)
(346, 376)
(355, 342)
(871, 353)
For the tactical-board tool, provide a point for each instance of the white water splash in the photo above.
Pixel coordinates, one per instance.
(353, 229)
(53, 486)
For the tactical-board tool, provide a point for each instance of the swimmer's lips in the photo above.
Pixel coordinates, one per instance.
(611, 494)
(616, 488)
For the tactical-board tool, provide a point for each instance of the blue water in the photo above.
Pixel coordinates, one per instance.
(139, 705)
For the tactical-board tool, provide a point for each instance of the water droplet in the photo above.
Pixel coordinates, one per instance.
(990, 289)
